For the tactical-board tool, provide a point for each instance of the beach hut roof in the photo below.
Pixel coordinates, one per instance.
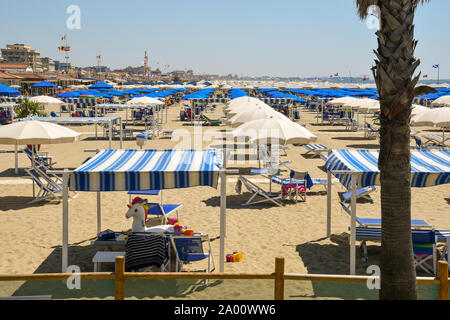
(44, 84)
(101, 85)
(7, 91)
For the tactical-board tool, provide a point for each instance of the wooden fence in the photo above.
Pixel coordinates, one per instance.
(279, 277)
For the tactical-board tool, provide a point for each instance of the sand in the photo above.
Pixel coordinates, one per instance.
(32, 234)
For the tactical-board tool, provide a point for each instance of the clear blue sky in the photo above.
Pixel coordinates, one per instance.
(245, 37)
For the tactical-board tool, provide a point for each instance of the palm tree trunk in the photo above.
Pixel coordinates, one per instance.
(393, 74)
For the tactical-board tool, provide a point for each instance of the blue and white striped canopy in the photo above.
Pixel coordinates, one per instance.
(428, 167)
(124, 170)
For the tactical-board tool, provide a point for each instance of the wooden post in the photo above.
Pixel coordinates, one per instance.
(279, 278)
(119, 285)
(443, 280)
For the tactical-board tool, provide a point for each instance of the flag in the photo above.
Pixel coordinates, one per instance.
(63, 38)
(425, 76)
(435, 66)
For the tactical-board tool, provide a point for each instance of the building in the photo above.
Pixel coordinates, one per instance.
(62, 66)
(12, 67)
(48, 65)
(99, 69)
(20, 53)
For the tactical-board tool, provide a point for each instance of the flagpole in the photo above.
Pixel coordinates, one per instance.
(439, 69)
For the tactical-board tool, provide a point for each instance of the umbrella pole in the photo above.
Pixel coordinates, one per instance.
(32, 165)
(16, 160)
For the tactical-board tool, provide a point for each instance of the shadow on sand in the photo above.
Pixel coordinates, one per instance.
(334, 258)
(81, 256)
(364, 146)
(10, 173)
(21, 202)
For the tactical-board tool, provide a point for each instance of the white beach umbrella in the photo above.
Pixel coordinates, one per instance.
(243, 99)
(244, 107)
(35, 132)
(417, 108)
(254, 114)
(342, 101)
(145, 100)
(439, 117)
(442, 101)
(45, 100)
(275, 131)
(367, 105)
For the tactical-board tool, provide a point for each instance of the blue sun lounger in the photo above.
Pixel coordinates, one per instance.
(317, 149)
(420, 237)
(163, 210)
(376, 222)
(158, 209)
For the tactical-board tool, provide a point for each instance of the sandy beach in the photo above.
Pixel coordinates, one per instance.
(32, 234)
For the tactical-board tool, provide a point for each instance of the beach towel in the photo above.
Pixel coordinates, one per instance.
(145, 251)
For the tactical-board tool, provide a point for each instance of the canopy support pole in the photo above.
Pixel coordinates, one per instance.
(353, 225)
(96, 123)
(65, 222)
(121, 130)
(99, 212)
(329, 176)
(223, 207)
(110, 134)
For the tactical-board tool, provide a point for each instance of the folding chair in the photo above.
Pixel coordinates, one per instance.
(207, 121)
(40, 158)
(371, 132)
(295, 186)
(163, 210)
(269, 161)
(436, 140)
(191, 249)
(361, 193)
(424, 248)
(421, 145)
(317, 149)
(48, 188)
(257, 192)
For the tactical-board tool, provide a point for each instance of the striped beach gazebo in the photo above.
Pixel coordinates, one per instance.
(125, 170)
(359, 168)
